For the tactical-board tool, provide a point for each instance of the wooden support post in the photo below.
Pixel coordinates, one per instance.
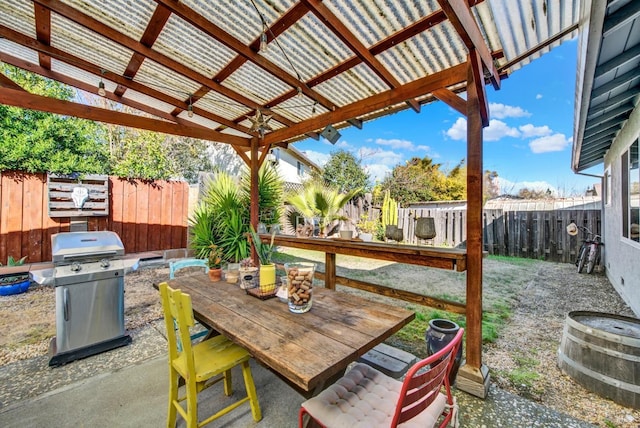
(473, 376)
(254, 210)
(330, 271)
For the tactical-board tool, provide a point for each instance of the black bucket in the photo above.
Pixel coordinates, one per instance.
(439, 334)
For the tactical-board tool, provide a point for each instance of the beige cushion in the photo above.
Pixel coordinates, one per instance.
(366, 398)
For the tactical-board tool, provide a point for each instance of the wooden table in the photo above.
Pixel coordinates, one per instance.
(306, 350)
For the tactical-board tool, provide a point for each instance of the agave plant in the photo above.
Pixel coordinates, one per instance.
(318, 200)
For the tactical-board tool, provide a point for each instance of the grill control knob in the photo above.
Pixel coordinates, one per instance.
(75, 267)
(104, 263)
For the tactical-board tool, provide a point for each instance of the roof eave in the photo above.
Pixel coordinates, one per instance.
(592, 16)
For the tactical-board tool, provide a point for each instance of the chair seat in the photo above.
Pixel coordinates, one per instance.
(211, 357)
(366, 397)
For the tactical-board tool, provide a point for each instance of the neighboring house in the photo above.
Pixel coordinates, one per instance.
(294, 167)
(553, 204)
(606, 131)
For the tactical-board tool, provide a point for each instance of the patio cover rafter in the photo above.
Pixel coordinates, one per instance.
(26, 100)
(343, 33)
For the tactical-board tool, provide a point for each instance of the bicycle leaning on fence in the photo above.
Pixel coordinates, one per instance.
(589, 253)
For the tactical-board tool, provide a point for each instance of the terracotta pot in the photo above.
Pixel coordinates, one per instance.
(215, 274)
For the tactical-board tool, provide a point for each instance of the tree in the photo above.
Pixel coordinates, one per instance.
(422, 180)
(526, 193)
(490, 186)
(35, 141)
(345, 173)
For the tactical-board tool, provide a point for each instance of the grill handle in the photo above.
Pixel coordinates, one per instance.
(65, 299)
(101, 254)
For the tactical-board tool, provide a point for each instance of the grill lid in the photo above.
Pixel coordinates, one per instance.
(68, 247)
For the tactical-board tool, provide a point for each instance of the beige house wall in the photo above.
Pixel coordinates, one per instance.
(622, 255)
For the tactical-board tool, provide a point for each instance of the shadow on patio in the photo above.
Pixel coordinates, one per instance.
(128, 387)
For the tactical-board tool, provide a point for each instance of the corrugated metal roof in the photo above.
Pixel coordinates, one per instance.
(608, 84)
(166, 55)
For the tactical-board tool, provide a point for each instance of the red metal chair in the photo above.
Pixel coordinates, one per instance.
(365, 397)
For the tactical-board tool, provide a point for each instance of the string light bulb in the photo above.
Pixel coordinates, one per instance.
(263, 42)
(190, 107)
(313, 108)
(101, 91)
(300, 94)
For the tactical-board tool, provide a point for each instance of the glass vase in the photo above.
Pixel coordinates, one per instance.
(300, 281)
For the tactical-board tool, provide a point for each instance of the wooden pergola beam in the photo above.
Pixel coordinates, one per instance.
(43, 32)
(338, 28)
(156, 24)
(134, 45)
(460, 16)
(452, 99)
(442, 79)
(26, 100)
(34, 68)
(82, 64)
(473, 376)
(478, 80)
(7, 83)
(234, 44)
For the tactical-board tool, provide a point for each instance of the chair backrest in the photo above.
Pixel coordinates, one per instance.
(186, 263)
(178, 312)
(424, 380)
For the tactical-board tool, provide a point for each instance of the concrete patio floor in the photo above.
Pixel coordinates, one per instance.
(128, 387)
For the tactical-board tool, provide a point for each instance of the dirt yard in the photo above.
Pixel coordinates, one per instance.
(539, 293)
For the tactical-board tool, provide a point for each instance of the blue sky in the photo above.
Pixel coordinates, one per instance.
(528, 141)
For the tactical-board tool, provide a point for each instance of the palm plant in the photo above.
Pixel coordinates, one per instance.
(223, 216)
(318, 200)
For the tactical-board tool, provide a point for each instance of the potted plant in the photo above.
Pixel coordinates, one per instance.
(366, 228)
(14, 283)
(265, 254)
(215, 262)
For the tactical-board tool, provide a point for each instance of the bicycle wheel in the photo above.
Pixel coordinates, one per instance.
(583, 258)
(591, 263)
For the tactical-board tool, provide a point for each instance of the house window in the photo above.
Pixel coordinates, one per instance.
(631, 193)
(300, 169)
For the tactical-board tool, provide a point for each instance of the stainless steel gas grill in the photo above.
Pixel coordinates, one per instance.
(89, 283)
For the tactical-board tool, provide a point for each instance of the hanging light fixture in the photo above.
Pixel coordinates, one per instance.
(300, 94)
(190, 107)
(260, 123)
(101, 91)
(263, 42)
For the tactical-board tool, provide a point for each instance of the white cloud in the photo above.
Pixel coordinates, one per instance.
(342, 144)
(550, 143)
(384, 157)
(424, 148)
(497, 130)
(538, 96)
(502, 111)
(513, 187)
(317, 157)
(529, 131)
(377, 171)
(458, 130)
(396, 143)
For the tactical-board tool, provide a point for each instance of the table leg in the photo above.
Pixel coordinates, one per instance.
(330, 271)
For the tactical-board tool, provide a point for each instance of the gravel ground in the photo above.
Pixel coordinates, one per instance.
(540, 293)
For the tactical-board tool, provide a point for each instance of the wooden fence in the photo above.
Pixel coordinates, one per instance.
(528, 234)
(148, 216)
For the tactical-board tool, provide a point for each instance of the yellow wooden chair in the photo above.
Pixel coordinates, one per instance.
(200, 365)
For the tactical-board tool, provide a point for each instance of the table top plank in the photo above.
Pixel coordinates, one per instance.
(305, 349)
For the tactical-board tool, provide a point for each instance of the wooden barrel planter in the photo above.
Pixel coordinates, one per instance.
(602, 353)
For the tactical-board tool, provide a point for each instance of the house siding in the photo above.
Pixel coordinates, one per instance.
(622, 255)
